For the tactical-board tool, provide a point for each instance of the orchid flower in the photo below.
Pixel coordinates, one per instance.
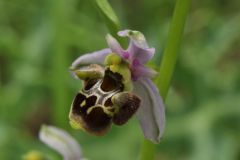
(61, 141)
(132, 89)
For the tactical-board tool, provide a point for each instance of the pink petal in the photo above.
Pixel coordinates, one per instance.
(142, 71)
(116, 47)
(96, 57)
(151, 113)
(138, 47)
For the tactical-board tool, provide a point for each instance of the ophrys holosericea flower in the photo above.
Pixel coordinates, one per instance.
(116, 84)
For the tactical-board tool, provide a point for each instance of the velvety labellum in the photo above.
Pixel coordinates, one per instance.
(101, 102)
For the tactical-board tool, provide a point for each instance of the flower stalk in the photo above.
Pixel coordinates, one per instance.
(168, 63)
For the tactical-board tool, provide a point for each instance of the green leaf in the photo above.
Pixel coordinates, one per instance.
(109, 16)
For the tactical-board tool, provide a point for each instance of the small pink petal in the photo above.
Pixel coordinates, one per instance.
(115, 46)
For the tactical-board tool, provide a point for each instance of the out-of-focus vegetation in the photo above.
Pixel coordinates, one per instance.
(39, 39)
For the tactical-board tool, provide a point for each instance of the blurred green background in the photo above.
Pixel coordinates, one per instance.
(40, 38)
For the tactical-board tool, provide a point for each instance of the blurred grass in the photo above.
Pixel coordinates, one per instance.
(39, 39)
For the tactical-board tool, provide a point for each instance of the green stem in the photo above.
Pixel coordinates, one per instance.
(173, 45)
(147, 150)
(168, 62)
